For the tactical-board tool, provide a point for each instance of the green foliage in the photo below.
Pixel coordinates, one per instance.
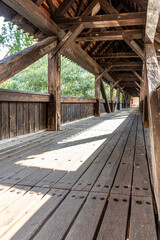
(13, 39)
(75, 81)
(32, 79)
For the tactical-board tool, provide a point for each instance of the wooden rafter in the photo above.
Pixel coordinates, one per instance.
(110, 35)
(116, 55)
(137, 84)
(63, 8)
(102, 21)
(135, 47)
(137, 75)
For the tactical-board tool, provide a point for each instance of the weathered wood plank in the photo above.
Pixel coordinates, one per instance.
(37, 215)
(35, 177)
(13, 119)
(59, 223)
(14, 212)
(31, 117)
(142, 223)
(86, 223)
(20, 119)
(114, 224)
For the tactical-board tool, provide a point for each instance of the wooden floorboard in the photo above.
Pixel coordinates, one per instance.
(92, 180)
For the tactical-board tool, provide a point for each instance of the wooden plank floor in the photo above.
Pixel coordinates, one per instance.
(88, 181)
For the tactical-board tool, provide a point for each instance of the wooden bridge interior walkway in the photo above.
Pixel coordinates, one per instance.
(91, 180)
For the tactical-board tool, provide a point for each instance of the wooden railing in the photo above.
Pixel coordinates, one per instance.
(26, 112)
(22, 112)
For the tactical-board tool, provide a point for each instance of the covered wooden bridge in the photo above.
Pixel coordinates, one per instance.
(97, 177)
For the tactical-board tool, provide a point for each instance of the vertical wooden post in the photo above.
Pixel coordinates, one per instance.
(122, 100)
(97, 97)
(142, 91)
(153, 78)
(118, 99)
(111, 97)
(145, 101)
(54, 71)
(104, 95)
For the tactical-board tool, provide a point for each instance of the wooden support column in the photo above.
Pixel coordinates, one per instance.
(104, 95)
(54, 71)
(153, 78)
(122, 100)
(118, 99)
(111, 97)
(145, 101)
(97, 97)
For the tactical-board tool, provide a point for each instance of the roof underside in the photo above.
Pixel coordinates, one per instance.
(106, 45)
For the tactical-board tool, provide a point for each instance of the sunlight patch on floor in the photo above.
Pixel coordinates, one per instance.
(70, 153)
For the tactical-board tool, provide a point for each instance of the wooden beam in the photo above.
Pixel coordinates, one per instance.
(54, 72)
(97, 97)
(103, 91)
(110, 35)
(52, 7)
(116, 55)
(77, 100)
(33, 14)
(153, 10)
(68, 38)
(80, 7)
(137, 84)
(111, 97)
(145, 100)
(88, 10)
(103, 21)
(104, 72)
(75, 30)
(107, 7)
(115, 83)
(141, 4)
(153, 79)
(135, 47)
(28, 9)
(19, 61)
(123, 64)
(137, 75)
(63, 8)
(125, 69)
(21, 96)
(118, 99)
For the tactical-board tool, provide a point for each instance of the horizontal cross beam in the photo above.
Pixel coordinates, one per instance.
(116, 55)
(103, 21)
(111, 35)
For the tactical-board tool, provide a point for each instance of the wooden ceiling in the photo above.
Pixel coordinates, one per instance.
(112, 33)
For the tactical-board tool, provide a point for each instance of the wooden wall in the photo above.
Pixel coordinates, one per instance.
(22, 112)
(75, 111)
(18, 118)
